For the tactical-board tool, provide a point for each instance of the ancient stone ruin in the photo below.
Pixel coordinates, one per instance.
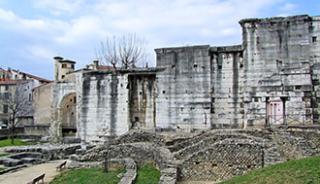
(203, 113)
(214, 155)
(271, 79)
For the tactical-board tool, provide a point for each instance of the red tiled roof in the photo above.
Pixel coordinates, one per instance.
(10, 82)
(34, 77)
(105, 67)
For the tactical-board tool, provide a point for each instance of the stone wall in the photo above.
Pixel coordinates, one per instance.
(214, 155)
(103, 105)
(272, 79)
(227, 87)
(277, 65)
(142, 104)
(42, 99)
(222, 160)
(184, 88)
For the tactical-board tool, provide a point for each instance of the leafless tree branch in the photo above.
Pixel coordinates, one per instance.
(124, 51)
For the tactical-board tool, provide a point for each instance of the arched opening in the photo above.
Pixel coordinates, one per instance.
(68, 112)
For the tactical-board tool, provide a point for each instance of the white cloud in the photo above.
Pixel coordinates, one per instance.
(81, 29)
(78, 25)
(59, 7)
(40, 52)
(13, 22)
(288, 9)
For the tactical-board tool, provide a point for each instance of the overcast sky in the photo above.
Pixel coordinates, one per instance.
(32, 32)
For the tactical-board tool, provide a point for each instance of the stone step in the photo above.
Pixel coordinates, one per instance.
(10, 162)
(35, 155)
(28, 160)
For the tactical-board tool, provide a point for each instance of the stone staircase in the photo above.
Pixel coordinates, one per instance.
(22, 158)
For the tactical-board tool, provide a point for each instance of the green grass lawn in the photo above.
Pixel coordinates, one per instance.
(148, 174)
(304, 171)
(88, 176)
(17, 142)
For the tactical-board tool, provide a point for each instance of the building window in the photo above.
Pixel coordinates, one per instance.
(72, 66)
(6, 87)
(62, 77)
(3, 123)
(5, 108)
(30, 97)
(256, 99)
(64, 65)
(6, 96)
(314, 39)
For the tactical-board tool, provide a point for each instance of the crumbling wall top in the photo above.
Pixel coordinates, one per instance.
(232, 48)
(275, 19)
(180, 49)
(316, 18)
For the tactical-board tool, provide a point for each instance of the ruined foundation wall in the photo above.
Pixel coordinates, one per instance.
(103, 106)
(184, 88)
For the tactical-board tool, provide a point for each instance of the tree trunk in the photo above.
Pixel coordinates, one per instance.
(12, 134)
(13, 127)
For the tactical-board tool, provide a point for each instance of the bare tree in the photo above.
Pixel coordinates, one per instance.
(124, 51)
(16, 102)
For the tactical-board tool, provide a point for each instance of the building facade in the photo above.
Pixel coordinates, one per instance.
(271, 79)
(16, 89)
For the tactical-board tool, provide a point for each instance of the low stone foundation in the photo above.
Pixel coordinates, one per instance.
(214, 155)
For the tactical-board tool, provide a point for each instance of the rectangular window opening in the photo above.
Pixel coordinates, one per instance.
(5, 108)
(314, 39)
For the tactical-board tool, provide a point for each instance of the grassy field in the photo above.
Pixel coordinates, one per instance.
(88, 176)
(148, 174)
(304, 171)
(7, 142)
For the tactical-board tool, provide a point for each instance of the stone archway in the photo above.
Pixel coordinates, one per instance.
(68, 115)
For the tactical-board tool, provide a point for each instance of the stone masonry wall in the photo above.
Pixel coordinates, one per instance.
(277, 67)
(184, 88)
(142, 95)
(103, 105)
(227, 86)
(223, 160)
(273, 78)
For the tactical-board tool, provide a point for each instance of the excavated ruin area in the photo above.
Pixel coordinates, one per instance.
(214, 155)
